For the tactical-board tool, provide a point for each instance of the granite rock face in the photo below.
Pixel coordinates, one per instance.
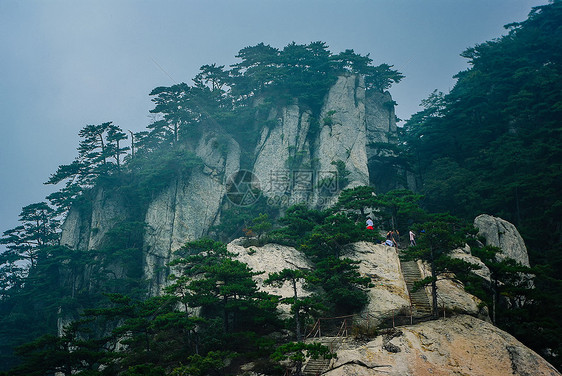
(272, 258)
(186, 209)
(464, 254)
(293, 161)
(451, 296)
(461, 345)
(502, 234)
(389, 294)
(281, 148)
(298, 153)
(343, 132)
(86, 229)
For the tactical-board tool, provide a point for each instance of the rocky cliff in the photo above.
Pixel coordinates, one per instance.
(302, 157)
(502, 234)
(463, 343)
(294, 160)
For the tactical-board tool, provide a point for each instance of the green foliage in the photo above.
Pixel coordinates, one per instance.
(400, 207)
(260, 225)
(148, 369)
(328, 119)
(224, 289)
(236, 219)
(36, 275)
(297, 305)
(156, 336)
(332, 236)
(492, 144)
(509, 280)
(68, 354)
(100, 153)
(62, 282)
(299, 221)
(324, 238)
(343, 285)
(212, 362)
(358, 198)
(149, 173)
(436, 239)
(39, 229)
(299, 351)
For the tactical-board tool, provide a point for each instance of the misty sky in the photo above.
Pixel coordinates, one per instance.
(66, 64)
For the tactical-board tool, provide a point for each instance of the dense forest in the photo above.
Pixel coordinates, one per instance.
(491, 145)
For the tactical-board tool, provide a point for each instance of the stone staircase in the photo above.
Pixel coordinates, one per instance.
(315, 367)
(419, 298)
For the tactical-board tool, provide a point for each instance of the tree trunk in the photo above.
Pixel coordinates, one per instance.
(132, 144)
(434, 287)
(494, 299)
(297, 316)
(298, 370)
(102, 144)
(225, 314)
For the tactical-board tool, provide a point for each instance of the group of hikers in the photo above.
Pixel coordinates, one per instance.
(393, 236)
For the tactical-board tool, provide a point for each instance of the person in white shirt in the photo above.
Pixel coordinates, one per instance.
(412, 238)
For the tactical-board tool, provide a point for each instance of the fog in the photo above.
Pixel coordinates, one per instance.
(66, 64)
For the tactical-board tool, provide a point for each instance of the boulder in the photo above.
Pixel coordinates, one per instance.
(272, 258)
(464, 254)
(460, 345)
(502, 234)
(451, 296)
(389, 296)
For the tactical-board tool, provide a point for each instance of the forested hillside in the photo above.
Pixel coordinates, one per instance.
(52, 270)
(133, 289)
(494, 145)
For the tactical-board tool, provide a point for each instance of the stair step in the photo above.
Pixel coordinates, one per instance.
(315, 366)
(419, 298)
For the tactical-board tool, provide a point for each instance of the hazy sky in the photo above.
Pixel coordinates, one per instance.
(66, 64)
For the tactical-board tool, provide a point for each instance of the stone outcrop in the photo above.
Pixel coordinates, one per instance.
(351, 121)
(292, 159)
(465, 255)
(343, 132)
(389, 294)
(502, 234)
(281, 147)
(186, 209)
(86, 229)
(272, 258)
(380, 119)
(461, 345)
(451, 296)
